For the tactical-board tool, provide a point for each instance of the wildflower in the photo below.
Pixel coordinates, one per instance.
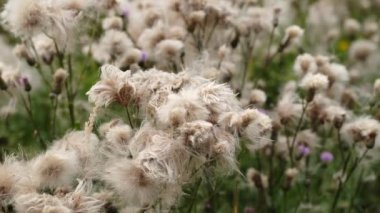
(25, 17)
(181, 108)
(258, 97)
(198, 136)
(130, 180)
(361, 130)
(34, 202)
(322, 61)
(22, 51)
(29, 18)
(304, 64)
(132, 56)
(351, 26)
(169, 49)
(370, 28)
(115, 23)
(119, 134)
(45, 48)
(59, 77)
(336, 73)
(256, 127)
(26, 84)
(306, 139)
(288, 109)
(80, 199)
(334, 115)
(360, 50)
(255, 178)
(290, 175)
(85, 148)
(111, 88)
(196, 18)
(326, 157)
(7, 182)
(292, 35)
(111, 46)
(55, 169)
(303, 150)
(313, 83)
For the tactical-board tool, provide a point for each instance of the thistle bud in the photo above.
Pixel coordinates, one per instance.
(60, 77)
(290, 175)
(21, 51)
(25, 82)
(3, 85)
(257, 179)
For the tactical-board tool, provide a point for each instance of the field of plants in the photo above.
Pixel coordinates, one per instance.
(136, 106)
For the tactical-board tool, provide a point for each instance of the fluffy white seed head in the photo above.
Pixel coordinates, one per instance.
(120, 134)
(131, 182)
(113, 86)
(361, 130)
(169, 49)
(55, 169)
(182, 107)
(288, 109)
(304, 64)
(115, 23)
(376, 87)
(257, 126)
(351, 26)
(314, 82)
(105, 127)
(293, 33)
(257, 97)
(360, 50)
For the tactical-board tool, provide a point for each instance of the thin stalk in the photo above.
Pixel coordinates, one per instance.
(129, 118)
(247, 54)
(358, 187)
(296, 133)
(70, 105)
(54, 115)
(211, 32)
(30, 114)
(236, 200)
(285, 201)
(267, 55)
(69, 91)
(194, 195)
(39, 63)
(349, 174)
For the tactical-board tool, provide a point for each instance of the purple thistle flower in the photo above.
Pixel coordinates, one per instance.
(326, 157)
(125, 12)
(144, 56)
(304, 150)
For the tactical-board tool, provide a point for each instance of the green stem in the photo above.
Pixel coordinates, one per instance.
(30, 114)
(129, 117)
(296, 133)
(358, 186)
(194, 195)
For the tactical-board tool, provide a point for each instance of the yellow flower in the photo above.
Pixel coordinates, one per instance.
(343, 45)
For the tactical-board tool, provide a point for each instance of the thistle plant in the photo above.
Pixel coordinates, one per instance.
(189, 106)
